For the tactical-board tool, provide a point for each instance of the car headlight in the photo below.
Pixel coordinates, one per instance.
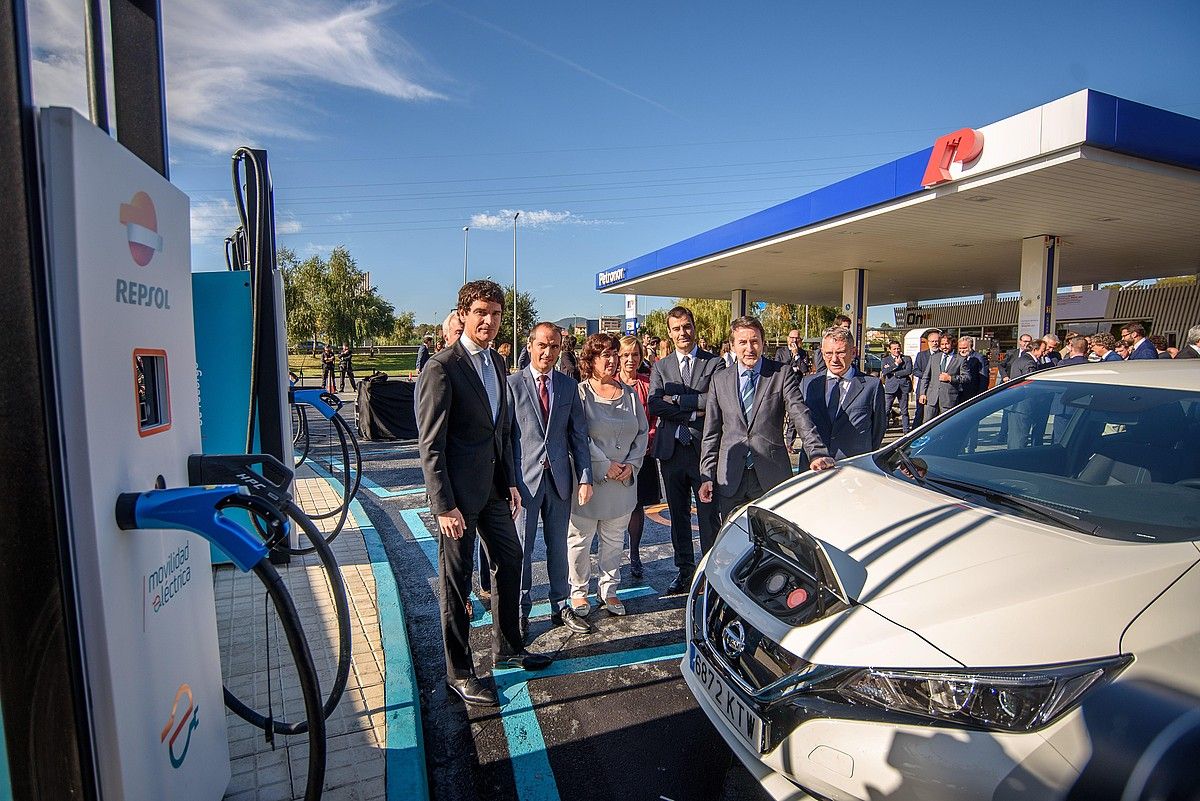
(1018, 699)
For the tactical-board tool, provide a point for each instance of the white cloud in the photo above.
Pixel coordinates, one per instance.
(213, 220)
(503, 220)
(238, 72)
(287, 224)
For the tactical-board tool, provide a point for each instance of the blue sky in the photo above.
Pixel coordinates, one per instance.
(615, 128)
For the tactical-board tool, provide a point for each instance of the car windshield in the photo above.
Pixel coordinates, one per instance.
(1117, 461)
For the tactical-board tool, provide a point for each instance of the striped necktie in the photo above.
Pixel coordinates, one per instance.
(490, 384)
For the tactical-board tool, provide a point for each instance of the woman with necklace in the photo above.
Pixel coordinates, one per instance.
(617, 431)
(649, 490)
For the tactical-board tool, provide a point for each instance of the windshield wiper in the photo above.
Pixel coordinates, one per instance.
(1040, 510)
(911, 468)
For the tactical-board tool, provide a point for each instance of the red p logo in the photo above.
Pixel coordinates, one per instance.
(961, 146)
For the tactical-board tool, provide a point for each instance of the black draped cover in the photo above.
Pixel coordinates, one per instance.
(387, 410)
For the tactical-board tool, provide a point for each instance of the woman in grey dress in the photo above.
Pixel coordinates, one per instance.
(617, 430)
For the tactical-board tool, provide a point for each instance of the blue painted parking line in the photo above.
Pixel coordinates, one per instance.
(405, 757)
(483, 616)
(377, 490)
(532, 773)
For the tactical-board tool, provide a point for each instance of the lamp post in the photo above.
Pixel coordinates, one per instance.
(466, 232)
(516, 303)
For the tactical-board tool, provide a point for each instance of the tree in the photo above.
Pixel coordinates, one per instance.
(526, 319)
(1176, 280)
(330, 299)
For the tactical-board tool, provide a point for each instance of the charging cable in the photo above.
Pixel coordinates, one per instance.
(200, 510)
(206, 469)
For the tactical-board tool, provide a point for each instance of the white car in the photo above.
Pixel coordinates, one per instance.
(922, 622)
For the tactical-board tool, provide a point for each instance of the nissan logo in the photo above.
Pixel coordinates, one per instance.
(733, 639)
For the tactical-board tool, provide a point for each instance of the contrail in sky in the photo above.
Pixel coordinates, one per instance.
(562, 59)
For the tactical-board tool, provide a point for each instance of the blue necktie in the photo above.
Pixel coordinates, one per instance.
(834, 399)
(747, 393)
(489, 383)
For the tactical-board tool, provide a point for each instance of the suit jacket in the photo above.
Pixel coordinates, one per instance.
(666, 380)
(860, 421)
(920, 365)
(1067, 362)
(1023, 366)
(422, 356)
(1112, 356)
(1144, 350)
(728, 435)
(946, 393)
(464, 453)
(562, 438)
(896, 374)
(1188, 352)
(799, 363)
(977, 369)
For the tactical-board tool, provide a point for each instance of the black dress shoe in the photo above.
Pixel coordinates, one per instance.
(635, 568)
(681, 584)
(574, 622)
(473, 691)
(523, 660)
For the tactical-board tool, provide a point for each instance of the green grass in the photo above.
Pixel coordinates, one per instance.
(393, 364)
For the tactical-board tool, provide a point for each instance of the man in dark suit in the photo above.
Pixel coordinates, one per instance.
(944, 379)
(464, 419)
(424, 351)
(794, 356)
(1023, 344)
(976, 366)
(1191, 347)
(896, 371)
(549, 432)
(920, 363)
(841, 321)
(742, 451)
(847, 406)
(1078, 352)
(1140, 347)
(1028, 361)
(1103, 345)
(678, 397)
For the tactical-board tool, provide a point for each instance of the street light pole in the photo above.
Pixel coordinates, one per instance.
(466, 231)
(516, 303)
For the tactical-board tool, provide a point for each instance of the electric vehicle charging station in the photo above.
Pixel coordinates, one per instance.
(119, 243)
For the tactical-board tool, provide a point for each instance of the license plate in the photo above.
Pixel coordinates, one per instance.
(747, 725)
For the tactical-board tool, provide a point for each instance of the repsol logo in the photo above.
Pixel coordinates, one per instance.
(611, 276)
(138, 294)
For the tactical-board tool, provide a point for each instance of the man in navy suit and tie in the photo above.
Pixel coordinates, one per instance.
(896, 371)
(678, 398)
(848, 407)
(742, 453)
(549, 431)
(464, 417)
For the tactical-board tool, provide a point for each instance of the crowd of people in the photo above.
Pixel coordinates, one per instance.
(578, 445)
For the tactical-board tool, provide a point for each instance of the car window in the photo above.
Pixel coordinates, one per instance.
(1124, 461)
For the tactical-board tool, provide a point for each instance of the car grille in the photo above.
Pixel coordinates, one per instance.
(761, 662)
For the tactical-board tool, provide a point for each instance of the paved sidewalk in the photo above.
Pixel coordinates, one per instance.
(356, 731)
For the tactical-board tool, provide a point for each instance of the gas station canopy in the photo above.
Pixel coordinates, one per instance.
(1116, 182)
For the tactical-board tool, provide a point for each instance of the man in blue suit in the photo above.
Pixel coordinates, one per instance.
(847, 407)
(549, 431)
(1140, 347)
(896, 371)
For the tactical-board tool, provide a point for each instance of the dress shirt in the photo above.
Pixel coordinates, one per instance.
(843, 385)
(474, 350)
(744, 372)
(533, 371)
(695, 349)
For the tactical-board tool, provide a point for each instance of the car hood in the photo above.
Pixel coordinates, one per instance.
(987, 588)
